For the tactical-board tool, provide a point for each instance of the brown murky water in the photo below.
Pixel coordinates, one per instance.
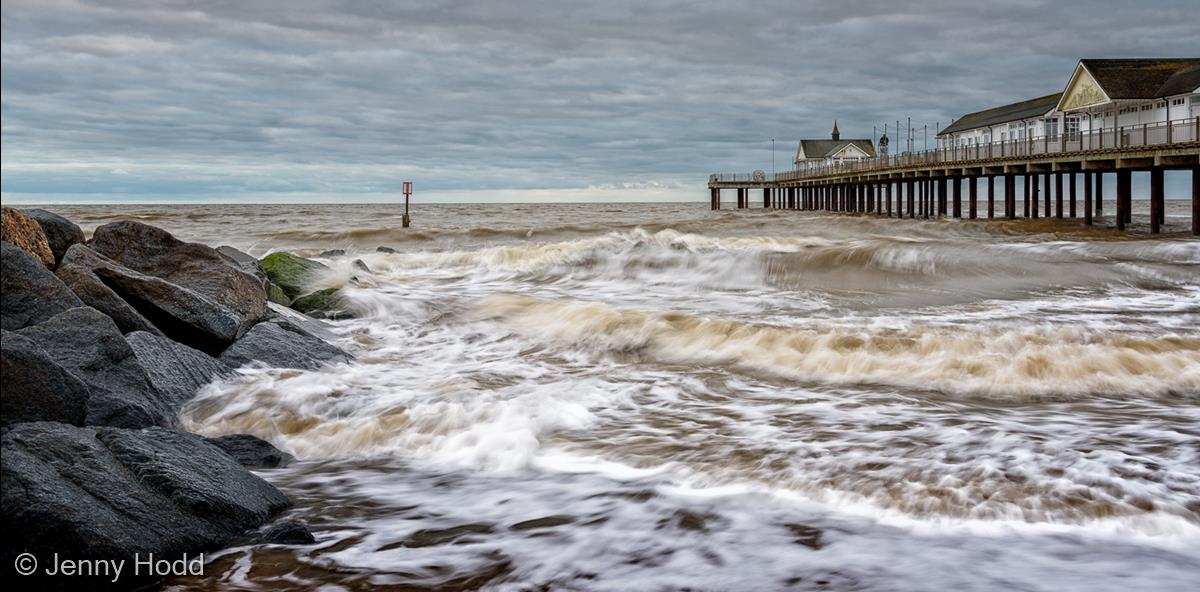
(659, 397)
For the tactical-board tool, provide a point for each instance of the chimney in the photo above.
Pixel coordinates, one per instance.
(836, 134)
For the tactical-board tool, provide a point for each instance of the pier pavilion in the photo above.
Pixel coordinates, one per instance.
(931, 183)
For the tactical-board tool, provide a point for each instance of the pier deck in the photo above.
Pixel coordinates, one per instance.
(930, 184)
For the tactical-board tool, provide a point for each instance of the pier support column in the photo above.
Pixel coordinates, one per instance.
(1099, 193)
(1010, 196)
(956, 210)
(972, 194)
(1034, 198)
(887, 196)
(1046, 191)
(1196, 201)
(766, 198)
(714, 198)
(1087, 198)
(910, 192)
(1025, 213)
(1124, 186)
(1156, 200)
(1058, 196)
(1071, 193)
(991, 196)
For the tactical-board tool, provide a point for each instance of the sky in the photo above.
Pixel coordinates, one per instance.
(340, 100)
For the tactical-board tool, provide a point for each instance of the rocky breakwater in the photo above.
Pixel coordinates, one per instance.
(103, 342)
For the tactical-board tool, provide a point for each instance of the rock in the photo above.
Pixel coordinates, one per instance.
(88, 345)
(291, 272)
(29, 292)
(277, 347)
(109, 493)
(88, 287)
(36, 388)
(301, 323)
(252, 452)
(184, 315)
(277, 295)
(360, 265)
(382, 249)
(245, 261)
(200, 268)
(26, 234)
(323, 304)
(331, 253)
(60, 232)
(287, 532)
(176, 370)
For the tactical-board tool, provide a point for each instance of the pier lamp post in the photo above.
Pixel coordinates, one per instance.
(772, 159)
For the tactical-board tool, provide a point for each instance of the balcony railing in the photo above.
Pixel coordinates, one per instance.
(1179, 131)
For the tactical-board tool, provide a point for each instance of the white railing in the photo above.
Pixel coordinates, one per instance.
(1180, 131)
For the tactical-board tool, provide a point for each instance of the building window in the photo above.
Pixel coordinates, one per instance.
(1177, 101)
(1052, 128)
(1071, 128)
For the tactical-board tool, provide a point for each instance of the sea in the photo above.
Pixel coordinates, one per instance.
(626, 397)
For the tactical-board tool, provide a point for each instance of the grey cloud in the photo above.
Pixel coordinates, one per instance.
(332, 96)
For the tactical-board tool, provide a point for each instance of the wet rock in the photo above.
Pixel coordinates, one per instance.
(36, 388)
(277, 347)
(105, 493)
(360, 265)
(245, 261)
(252, 452)
(301, 323)
(331, 253)
(382, 249)
(88, 345)
(26, 234)
(200, 268)
(88, 287)
(323, 304)
(288, 532)
(291, 272)
(29, 292)
(277, 295)
(176, 370)
(184, 315)
(60, 232)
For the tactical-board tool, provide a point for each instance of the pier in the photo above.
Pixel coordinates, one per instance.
(1061, 177)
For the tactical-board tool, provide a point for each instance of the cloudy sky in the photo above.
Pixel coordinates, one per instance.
(500, 100)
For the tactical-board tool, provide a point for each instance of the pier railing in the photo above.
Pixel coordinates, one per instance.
(1179, 131)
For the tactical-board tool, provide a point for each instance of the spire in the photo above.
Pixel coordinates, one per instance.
(836, 134)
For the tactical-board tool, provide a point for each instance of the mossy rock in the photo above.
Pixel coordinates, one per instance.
(323, 304)
(277, 295)
(290, 272)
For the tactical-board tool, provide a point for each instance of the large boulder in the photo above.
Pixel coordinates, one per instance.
(298, 322)
(293, 273)
(94, 293)
(182, 314)
(29, 293)
(252, 452)
(324, 304)
(88, 345)
(108, 493)
(60, 232)
(36, 388)
(176, 370)
(276, 346)
(154, 251)
(26, 234)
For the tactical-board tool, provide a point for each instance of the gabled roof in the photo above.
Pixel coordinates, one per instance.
(815, 149)
(1004, 114)
(1144, 78)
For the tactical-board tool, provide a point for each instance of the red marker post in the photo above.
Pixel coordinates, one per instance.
(407, 192)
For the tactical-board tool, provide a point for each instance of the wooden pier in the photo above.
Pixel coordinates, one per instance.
(931, 184)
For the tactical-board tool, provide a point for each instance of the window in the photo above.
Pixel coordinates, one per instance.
(1052, 128)
(1071, 128)
(1178, 101)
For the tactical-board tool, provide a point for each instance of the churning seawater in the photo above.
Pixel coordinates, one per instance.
(659, 397)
